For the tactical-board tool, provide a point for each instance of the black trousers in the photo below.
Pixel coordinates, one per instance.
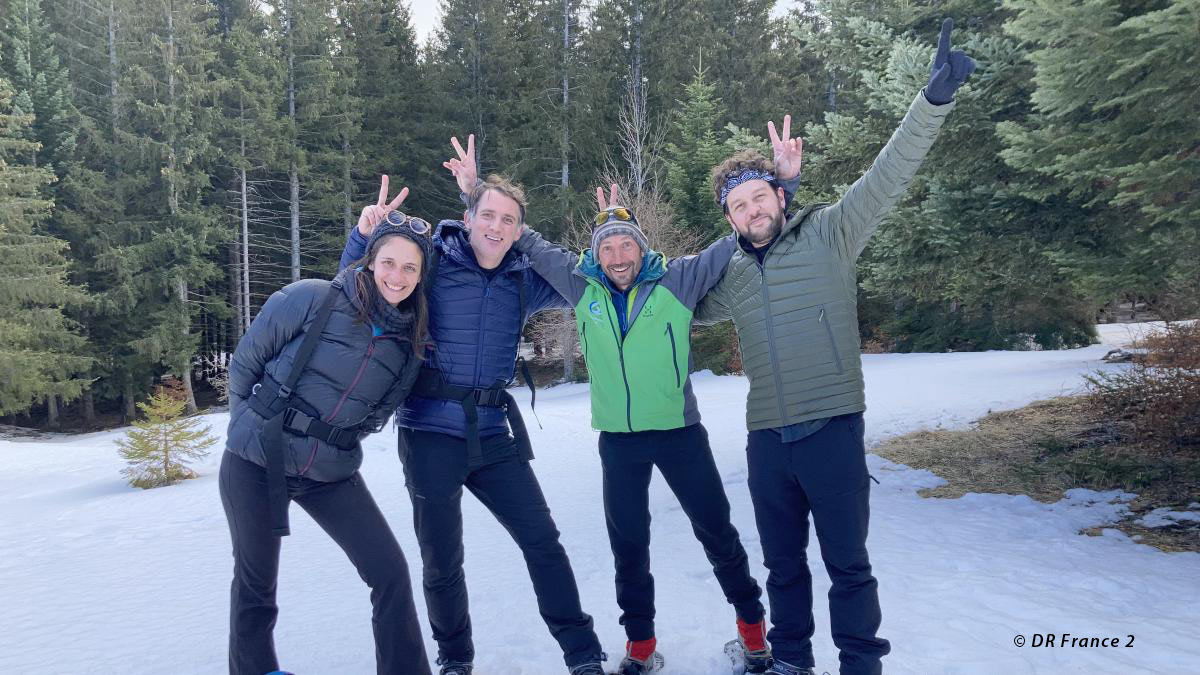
(346, 511)
(824, 474)
(685, 460)
(436, 470)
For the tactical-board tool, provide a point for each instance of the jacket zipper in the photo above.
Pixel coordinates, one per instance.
(583, 337)
(612, 322)
(674, 355)
(762, 268)
(487, 295)
(362, 367)
(837, 357)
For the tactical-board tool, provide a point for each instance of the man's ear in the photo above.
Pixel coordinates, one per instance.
(465, 216)
(730, 221)
(782, 198)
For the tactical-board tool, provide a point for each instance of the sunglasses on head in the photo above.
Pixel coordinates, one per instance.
(418, 225)
(614, 213)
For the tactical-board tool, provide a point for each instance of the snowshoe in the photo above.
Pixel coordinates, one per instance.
(632, 666)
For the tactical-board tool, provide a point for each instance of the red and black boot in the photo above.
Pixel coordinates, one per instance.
(750, 653)
(640, 658)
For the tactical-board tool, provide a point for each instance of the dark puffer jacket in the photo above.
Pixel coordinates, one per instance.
(475, 323)
(354, 378)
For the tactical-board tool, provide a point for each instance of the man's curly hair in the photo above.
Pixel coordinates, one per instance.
(738, 162)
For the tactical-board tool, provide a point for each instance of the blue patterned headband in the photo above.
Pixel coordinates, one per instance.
(744, 176)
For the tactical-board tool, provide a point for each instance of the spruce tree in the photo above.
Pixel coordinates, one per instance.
(391, 111)
(1114, 129)
(159, 448)
(318, 76)
(41, 354)
(252, 71)
(691, 156)
(964, 261)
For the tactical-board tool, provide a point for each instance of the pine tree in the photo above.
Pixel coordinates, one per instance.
(476, 77)
(1115, 129)
(691, 156)
(40, 81)
(251, 149)
(159, 447)
(87, 201)
(964, 261)
(41, 354)
(390, 121)
(319, 75)
(172, 233)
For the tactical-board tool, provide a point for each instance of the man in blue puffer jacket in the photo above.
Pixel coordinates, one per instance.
(454, 428)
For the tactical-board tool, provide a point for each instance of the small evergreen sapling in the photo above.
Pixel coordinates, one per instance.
(159, 447)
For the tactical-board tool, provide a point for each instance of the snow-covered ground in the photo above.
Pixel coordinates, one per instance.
(97, 577)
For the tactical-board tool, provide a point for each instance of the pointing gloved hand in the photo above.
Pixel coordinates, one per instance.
(950, 69)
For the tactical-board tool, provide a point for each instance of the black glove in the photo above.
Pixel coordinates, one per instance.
(950, 69)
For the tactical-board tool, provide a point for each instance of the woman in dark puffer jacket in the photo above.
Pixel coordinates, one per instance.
(360, 369)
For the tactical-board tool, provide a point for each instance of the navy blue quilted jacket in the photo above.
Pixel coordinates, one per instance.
(475, 323)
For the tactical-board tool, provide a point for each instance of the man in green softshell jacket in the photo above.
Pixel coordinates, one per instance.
(633, 309)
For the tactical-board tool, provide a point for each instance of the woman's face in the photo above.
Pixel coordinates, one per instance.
(396, 268)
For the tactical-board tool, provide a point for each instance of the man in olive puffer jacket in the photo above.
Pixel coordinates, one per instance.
(790, 290)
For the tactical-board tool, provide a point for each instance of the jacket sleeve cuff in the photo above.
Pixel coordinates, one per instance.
(927, 110)
(789, 188)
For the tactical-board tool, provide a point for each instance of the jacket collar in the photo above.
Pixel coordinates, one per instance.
(451, 238)
(654, 266)
(792, 223)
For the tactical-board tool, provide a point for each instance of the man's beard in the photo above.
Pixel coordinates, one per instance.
(769, 234)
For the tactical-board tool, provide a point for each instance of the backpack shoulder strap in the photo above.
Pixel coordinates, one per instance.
(311, 337)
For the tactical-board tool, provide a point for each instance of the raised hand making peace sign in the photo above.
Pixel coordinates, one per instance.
(603, 203)
(375, 213)
(950, 69)
(463, 167)
(788, 151)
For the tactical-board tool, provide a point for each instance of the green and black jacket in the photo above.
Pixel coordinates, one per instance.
(639, 380)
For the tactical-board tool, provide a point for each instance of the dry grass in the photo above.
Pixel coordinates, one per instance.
(1049, 447)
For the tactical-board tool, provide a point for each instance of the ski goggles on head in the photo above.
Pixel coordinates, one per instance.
(417, 225)
(615, 213)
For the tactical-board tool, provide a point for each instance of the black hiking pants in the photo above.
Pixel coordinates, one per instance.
(824, 474)
(436, 470)
(685, 460)
(346, 511)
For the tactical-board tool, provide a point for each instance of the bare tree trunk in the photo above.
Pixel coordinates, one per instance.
(89, 407)
(566, 111)
(347, 184)
(635, 120)
(181, 284)
(571, 338)
(172, 189)
(293, 169)
(235, 291)
(245, 316)
(52, 411)
(113, 69)
(185, 366)
(294, 199)
(128, 404)
(569, 346)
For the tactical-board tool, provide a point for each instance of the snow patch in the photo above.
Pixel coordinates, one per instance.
(98, 577)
